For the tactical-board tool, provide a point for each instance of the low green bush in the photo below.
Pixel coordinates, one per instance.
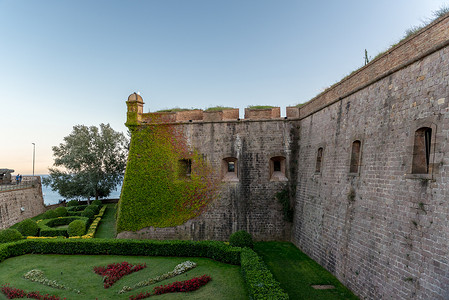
(74, 213)
(76, 228)
(61, 212)
(97, 202)
(72, 203)
(28, 227)
(88, 213)
(49, 214)
(77, 208)
(94, 208)
(242, 239)
(10, 235)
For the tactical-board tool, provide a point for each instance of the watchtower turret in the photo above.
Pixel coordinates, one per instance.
(135, 109)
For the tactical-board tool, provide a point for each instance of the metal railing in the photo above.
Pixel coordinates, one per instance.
(25, 183)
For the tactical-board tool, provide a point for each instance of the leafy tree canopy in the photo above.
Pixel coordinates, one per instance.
(92, 162)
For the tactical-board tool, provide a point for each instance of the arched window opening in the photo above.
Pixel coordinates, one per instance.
(319, 158)
(422, 150)
(355, 157)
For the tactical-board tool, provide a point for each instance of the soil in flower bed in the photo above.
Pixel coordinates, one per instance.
(76, 271)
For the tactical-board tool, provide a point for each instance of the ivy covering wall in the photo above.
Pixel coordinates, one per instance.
(156, 189)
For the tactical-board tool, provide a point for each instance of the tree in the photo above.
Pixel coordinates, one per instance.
(93, 161)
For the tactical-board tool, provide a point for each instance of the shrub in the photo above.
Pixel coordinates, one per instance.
(88, 213)
(47, 226)
(97, 202)
(61, 212)
(242, 239)
(259, 281)
(76, 228)
(49, 214)
(73, 203)
(94, 208)
(9, 235)
(28, 227)
(74, 213)
(76, 208)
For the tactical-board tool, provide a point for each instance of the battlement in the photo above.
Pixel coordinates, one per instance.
(137, 117)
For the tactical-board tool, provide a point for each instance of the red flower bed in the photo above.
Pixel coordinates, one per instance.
(113, 272)
(177, 286)
(12, 293)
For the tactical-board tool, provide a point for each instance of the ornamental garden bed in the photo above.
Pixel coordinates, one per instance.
(51, 227)
(76, 273)
(258, 281)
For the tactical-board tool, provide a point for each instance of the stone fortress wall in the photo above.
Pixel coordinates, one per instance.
(383, 229)
(367, 165)
(20, 204)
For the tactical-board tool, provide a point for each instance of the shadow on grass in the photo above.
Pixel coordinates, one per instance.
(297, 272)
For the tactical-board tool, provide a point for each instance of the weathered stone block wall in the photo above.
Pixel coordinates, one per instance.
(11, 202)
(248, 203)
(382, 231)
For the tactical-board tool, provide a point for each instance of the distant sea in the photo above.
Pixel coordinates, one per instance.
(52, 197)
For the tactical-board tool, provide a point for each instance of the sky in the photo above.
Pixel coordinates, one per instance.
(66, 63)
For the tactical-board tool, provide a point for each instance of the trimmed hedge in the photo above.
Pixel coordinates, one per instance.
(97, 202)
(94, 208)
(88, 213)
(72, 203)
(49, 214)
(28, 227)
(74, 213)
(76, 228)
(10, 235)
(259, 280)
(242, 239)
(61, 211)
(47, 229)
(76, 208)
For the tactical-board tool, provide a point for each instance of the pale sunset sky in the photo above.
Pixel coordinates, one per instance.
(64, 63)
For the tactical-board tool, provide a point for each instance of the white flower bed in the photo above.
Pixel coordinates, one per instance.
(178, 270)
(37, 275)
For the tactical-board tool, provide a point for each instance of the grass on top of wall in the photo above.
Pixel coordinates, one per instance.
(297, 272)
(76, 272)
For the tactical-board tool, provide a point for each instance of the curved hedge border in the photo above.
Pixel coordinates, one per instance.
(46, 228)
(259, 280)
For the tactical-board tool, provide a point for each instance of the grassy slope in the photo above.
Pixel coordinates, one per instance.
(75, 271)
(106, 228)
(297, 272)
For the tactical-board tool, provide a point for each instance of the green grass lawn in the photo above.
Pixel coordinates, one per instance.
(75, 271)
(106, 228)
(297, 272)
